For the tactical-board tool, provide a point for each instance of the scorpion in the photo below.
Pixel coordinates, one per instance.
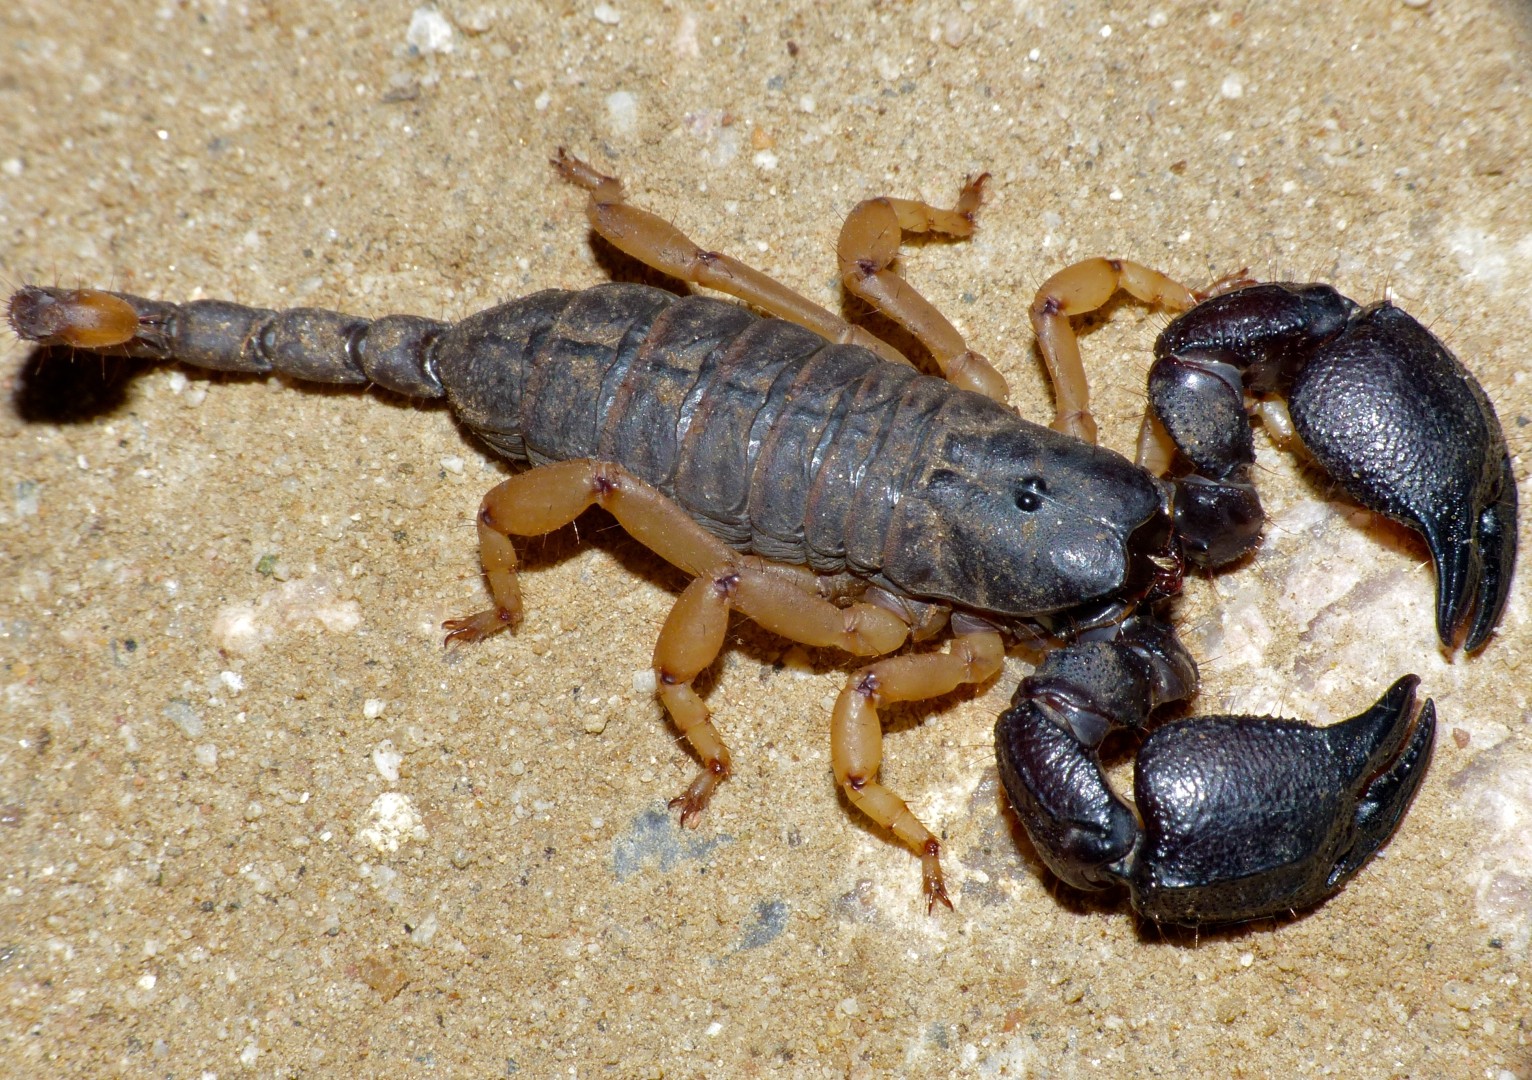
(805, 474)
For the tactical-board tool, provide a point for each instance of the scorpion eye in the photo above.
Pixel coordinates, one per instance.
(1029, 495)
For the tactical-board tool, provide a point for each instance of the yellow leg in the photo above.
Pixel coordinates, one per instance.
(856, 736)
(1074, 290)
(778, 598)
(869, 243)
(547, 498)
(693, 636)
(655, 242)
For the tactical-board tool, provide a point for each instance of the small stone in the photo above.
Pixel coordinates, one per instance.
(956, 29)
(1458, 994)
(385, 978)
(429, 32)
(622, 112)
(183, 716)
(386, 760)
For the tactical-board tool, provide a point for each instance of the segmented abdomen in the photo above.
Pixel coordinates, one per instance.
(775, 440)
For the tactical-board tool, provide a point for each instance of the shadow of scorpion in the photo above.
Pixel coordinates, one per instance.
(803, 473)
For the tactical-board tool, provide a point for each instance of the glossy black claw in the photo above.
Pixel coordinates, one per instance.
(1243, 817)
(1383, 405)
(1497, 558)
(1247, 817)
(1405, 429)
(1385, 799)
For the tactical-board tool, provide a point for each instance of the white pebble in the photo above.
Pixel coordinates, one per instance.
(955, 30)
(394, 822)
(386, 760)
(607, 14)
(184, 717)
(424, 931)
(1233, 87)
(622, 112)
(429, 31)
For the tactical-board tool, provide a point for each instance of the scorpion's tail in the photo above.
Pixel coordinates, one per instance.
(396, 352)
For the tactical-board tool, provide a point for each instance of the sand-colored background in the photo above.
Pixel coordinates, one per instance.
(220, 597)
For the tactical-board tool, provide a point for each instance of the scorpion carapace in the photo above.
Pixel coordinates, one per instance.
(804, 474)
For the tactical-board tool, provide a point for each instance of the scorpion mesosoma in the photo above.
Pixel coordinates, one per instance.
(803, 473)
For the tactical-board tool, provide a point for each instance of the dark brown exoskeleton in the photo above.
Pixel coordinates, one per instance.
(804, 474)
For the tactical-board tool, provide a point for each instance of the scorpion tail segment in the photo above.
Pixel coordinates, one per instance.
(87, 319)
(1406, 430)
(1047, 744)
(1248, 817)
(396, 352)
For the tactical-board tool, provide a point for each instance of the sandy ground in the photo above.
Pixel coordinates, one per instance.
(220, 596)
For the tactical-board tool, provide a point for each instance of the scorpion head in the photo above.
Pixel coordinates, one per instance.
(1006, 518)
